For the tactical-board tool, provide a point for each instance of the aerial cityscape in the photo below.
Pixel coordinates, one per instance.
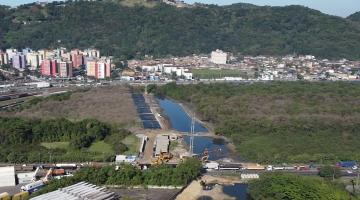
(175, 100)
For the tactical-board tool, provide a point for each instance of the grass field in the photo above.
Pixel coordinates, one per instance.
(55, 145)
(101, 147)
(133, 143)
(217, 73)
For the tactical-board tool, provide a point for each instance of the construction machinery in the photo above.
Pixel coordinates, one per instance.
(18, 196)
(164, 157)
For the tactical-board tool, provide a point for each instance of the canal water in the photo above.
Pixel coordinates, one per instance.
(238, 190)
(181, 121)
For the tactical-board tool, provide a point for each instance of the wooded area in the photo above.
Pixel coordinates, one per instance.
(161, 30)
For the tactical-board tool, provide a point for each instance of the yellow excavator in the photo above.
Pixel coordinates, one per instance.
(164, 157)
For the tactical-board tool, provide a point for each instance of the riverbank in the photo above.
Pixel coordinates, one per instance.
(178, 114)
(210, 127)
(195, 191)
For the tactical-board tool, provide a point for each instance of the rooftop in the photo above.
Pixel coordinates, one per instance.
(79, 191)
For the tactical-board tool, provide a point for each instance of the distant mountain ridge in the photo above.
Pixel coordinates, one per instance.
(355, 17)
(162, 30)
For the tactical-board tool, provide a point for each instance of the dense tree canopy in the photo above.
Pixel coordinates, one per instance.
(128, 175)
(280, 121)
(294, 187)
(20, 139)
(162, 30)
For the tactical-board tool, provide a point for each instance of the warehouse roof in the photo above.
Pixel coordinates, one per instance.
(79, 191)
(162, 144)
(7, 176)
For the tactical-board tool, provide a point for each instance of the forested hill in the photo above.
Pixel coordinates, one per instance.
(355, 17)
(160, 30)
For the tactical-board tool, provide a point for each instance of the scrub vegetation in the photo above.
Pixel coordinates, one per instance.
(290, 186)
(280, 122)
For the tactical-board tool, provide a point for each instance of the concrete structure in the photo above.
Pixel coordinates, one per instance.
(25, 178)
(33, 60)
(219, 57)
(26, 51)
(162, 143)
(4, 58)
(92, 53)
(49, 68)
(124, 159)
(79, 191)
(7, 176)
(98, 69)
(19, 61)
(91, 68)
(11, 52)
(77, 60)
(65, 69)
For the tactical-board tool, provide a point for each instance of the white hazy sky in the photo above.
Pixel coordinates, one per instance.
(334, 7)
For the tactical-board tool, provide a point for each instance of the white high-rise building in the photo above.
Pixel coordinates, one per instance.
(219, 57)
(32, 60)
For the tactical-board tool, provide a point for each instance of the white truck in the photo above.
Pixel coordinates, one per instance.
(33, 187)
(211, 166)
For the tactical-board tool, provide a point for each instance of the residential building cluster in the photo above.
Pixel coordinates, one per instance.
(255, 68)
(59, 63)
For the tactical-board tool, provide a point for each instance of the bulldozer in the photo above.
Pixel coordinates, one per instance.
(164, 157)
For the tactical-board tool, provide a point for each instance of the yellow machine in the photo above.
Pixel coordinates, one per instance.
(21, 196)
(162, 158)
(5, 196)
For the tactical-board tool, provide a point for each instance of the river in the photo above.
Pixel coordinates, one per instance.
(181, 121)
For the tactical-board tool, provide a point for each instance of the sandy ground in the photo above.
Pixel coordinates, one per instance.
(109, 104)
(194, 191)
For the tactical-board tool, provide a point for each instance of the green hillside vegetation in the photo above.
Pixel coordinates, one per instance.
(355, 17)
(34, 140)
(162, 30)
(289, 186)
(128, 175)
(280, 121)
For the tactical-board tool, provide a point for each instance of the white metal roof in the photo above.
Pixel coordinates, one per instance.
(7, 176)
(79, 191)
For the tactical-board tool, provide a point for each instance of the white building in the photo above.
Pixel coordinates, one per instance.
(32, 59)
(7, 176)
(219, 57)
(124, 159)
(11, 53)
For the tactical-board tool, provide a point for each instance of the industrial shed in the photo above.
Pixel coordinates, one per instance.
(79, 191)
(162, 144)
(7, 176)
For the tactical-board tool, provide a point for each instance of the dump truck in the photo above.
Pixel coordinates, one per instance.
(5, 196)
(19, 196)
(58, 172)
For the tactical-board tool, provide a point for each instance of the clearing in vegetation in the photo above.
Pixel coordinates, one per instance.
(106, 104)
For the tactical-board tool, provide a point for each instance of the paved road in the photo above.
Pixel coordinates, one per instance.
(299, 172)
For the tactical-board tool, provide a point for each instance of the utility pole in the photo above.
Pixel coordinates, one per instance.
(192, 133)
(50, 157)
